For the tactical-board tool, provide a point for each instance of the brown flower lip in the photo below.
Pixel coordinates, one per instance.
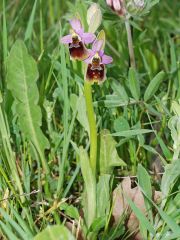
(95, 73)
(78, 51)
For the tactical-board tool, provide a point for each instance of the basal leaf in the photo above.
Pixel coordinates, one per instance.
(103, 192)
(22, 75)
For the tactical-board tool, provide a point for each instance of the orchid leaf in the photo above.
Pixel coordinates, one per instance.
(22, 75)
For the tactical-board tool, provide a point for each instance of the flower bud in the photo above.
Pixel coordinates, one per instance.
(134, 6)
(94, 17)
(139, 3)
(126, 7)
(117, 6)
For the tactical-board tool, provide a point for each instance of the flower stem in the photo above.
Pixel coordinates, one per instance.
(92, 125)
(130, 44)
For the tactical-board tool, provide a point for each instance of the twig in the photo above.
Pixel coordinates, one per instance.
(20, 195)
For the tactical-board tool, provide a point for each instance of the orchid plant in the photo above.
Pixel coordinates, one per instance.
(94, 59)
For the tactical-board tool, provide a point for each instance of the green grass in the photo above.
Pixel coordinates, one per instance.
(44, 139)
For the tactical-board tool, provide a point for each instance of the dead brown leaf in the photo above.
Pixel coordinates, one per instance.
(120, 205)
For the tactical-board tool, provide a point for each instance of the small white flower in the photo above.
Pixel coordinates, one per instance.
(139, 3)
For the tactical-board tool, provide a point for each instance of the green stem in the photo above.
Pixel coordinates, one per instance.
(92, 125)
(130, 44)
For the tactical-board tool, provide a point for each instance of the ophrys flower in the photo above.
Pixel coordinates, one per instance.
(77, 40)
(96, 63)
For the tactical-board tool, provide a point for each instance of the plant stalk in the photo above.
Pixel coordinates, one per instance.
(92, 125)
(130, 44)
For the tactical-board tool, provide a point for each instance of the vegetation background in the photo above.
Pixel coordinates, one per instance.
(29, 202)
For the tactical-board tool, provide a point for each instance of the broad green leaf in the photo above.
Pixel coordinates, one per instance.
(134, 83)
(70, 210)
(90, 187)
(120, 91)
(131, 133)
(121, 124)
(22, 75)
(108, 154)
(98, 224)
(103, 192)
(142, 219)
(57, 232)
(153, 86)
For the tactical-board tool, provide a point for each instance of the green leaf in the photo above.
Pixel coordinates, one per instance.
(168, 219)
(15, 226)
(144, 180)
(8, 231)
(90, 187)
(103, 192)
(134, 83)
(22, 223)
(164, 148)
(142, 219)
(169, 178)
(70, 210)
(131, 133)
(81, 113)
(108, 154)
(120, 91)
(145, 183)
(22, 75)
(57, 232)
(121, 124)
(152, 61)
(29, 28)
(98, 224)
(153, 85)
